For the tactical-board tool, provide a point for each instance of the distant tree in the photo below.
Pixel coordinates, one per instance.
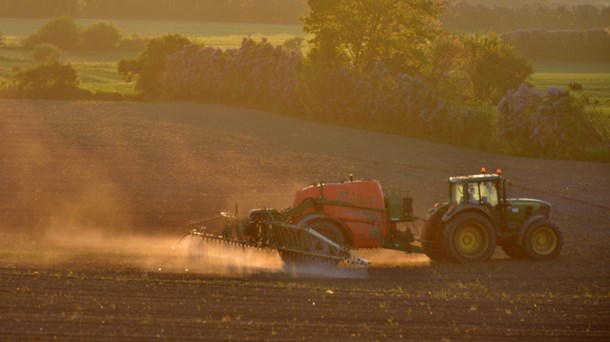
(2, 40)
(133, 42)
(358, 34)
(62, 31)
(446, 59)
(100, 36)
(294, 44)
(46, 53)
(149, 68)
(494, 67)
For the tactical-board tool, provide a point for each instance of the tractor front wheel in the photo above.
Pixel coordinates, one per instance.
(542, 240)
(470, 237)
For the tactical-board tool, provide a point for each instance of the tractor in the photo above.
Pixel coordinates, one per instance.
(327, 220)
(478, 216)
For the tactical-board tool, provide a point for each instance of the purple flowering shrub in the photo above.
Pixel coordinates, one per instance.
(398, 103)
(255, 74)
(552, 123)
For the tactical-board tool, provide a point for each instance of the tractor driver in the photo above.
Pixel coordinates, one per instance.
(473, 197)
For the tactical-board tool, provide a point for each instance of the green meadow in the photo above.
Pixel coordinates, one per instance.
(594, 76)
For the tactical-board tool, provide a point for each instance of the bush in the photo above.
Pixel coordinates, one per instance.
(48, 80)
(62, 31)
(100, 36)
(46, 53)
(554, 123)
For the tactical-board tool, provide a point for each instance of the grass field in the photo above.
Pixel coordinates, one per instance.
(593, 76)
(97, 69)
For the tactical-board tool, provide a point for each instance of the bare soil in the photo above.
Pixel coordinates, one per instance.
(94, 198)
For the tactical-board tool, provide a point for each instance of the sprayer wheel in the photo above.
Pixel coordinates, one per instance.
(331, 231)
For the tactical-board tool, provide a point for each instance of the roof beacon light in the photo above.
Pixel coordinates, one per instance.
(483, 170)
(499, 171)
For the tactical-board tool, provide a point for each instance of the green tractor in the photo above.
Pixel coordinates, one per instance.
(478, 216)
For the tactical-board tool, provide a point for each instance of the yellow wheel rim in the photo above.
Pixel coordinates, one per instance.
(471, 240)
(544, 240)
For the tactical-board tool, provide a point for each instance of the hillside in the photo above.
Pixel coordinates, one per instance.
(117, 169)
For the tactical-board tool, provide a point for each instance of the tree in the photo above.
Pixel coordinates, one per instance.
(358, 34)
(446, 59)
(100, 36)
(46, 52)
(2, 40)
(62, 31)
(494, 67)
(294, 44)
(149, 68)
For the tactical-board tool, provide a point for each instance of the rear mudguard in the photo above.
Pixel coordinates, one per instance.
(450, 214)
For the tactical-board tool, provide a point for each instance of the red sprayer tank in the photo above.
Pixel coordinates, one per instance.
(358, 205)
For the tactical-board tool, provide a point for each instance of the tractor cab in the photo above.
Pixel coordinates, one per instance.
(476, 190)
(483, 192)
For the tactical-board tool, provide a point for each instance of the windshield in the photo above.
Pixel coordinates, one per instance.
(489, 193)
(476, 193)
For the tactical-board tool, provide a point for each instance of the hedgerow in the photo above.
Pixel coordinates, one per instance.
(255, 74)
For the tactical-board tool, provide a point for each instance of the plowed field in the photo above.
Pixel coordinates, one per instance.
(94, 197)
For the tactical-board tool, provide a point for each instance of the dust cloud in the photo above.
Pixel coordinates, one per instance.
(390, 258)
(96, 191)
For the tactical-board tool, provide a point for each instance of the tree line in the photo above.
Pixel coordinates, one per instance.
(65, 33)
(459, 15)
(536, 44)
(263, 11)
(542, 44)
(463, 16)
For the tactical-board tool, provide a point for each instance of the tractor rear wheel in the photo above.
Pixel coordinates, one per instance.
(542, 240)
(470, 237)
(432, 245)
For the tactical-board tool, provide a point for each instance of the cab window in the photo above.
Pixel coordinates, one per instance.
(457, 193)
(489, 193)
